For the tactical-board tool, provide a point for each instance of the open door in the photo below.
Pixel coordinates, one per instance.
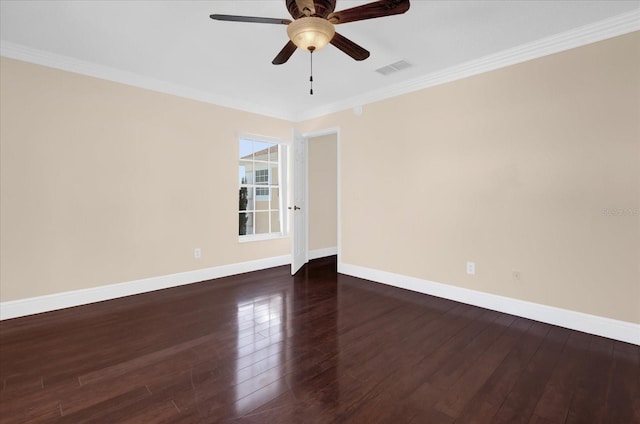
(298, 210)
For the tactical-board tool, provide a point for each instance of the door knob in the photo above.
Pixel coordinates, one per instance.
(295, 208)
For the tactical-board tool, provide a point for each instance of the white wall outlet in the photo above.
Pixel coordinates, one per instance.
(197, 253)
(471, 268)
(516, 276)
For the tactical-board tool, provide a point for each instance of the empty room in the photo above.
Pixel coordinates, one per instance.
(320, 211)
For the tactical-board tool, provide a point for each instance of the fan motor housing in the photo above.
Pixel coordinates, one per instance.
(323, 8)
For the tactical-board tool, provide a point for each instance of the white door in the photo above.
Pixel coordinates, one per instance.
(298, 210)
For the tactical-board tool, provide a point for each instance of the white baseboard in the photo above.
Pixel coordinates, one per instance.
(322, 253)
(36, 305)
(592, 324)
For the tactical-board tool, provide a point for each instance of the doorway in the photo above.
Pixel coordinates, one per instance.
(322, 194)
(316, 192)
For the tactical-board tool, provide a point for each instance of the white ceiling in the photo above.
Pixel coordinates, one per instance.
(173, 46)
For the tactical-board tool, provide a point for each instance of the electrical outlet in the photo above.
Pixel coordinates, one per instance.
(197, 253)
(516, 276)
(471, 268)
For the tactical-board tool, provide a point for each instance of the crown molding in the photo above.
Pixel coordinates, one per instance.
(66, 63)
(587, 34)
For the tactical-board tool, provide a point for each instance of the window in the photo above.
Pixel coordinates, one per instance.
(260, 191)
(262, 177)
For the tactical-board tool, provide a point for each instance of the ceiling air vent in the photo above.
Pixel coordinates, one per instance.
(394, 67)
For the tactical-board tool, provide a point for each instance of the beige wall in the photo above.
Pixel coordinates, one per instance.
(533, 168)
(323, 197)
(517, 169)
(103, 183)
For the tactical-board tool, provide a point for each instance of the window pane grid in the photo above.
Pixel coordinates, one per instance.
(259, 188)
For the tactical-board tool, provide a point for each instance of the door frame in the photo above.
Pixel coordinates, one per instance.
(306, 136)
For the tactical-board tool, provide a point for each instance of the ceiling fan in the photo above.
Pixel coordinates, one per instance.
(313, 22)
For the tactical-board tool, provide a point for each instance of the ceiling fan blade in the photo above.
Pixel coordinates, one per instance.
(306, 6)
(253, 19)
(376, 9)
(285, 53)
(349, 47)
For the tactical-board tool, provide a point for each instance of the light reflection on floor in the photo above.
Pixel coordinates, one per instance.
(261, 351)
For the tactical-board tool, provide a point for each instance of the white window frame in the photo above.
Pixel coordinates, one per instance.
(282, 186)
(266, 186)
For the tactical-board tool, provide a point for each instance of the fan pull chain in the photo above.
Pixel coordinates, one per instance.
(311, 49)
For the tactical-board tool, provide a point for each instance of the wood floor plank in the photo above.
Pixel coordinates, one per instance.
(138, 362)
(524, 395)
(459, 394)
(423, 368)
(553, 405)
(623, 398)
(588, 402)
(317, 347)
(485, 404)
(110, 409)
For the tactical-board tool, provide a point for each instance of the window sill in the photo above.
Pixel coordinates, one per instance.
(261, 237)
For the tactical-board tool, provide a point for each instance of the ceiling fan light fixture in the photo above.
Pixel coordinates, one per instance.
(310, 33)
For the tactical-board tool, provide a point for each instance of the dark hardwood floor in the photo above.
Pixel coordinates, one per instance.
(319, 347)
